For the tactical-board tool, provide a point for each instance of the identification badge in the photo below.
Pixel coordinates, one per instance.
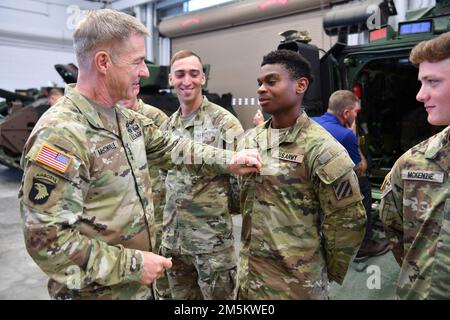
(293, 157)
(53, 158)
(430, 176)
(107, 147)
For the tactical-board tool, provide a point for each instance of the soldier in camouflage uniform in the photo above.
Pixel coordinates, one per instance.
(415, 205)
(303, 218)
(161, 285)
(86, 197)
(197, 227)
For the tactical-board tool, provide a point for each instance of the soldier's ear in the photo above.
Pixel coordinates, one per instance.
(102, 61)
(301, 85)
(203, 79)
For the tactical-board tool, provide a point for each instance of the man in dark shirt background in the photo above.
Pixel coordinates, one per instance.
(340, 121)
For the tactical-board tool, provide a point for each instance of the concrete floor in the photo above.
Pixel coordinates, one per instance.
(21, 278)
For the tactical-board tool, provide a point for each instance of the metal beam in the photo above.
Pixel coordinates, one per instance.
(165, 4)
(83, 4)
(125, 4)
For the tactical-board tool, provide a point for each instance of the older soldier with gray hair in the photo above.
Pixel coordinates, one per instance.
(415, 205)
(86, 195)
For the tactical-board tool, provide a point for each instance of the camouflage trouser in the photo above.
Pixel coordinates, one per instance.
(210, 276)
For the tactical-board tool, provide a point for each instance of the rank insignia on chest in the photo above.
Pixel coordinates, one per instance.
(53, 158)
(42, 187)
(343, 189)
(133, 129)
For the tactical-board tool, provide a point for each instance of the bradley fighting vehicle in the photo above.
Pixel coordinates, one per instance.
(378, 72)
(21, 109)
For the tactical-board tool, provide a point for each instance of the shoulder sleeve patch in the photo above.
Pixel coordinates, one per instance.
(53, 158)
(386, 186)
(343, 189)
(335, 168)
(325, 157)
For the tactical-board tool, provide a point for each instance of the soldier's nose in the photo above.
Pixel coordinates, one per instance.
(422, 96)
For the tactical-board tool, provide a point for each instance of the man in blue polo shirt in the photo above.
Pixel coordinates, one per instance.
(340, 120)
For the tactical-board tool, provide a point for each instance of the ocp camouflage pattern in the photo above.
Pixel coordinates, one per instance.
(303, 217)
(86, 226)
(415, 210)
(197, 213)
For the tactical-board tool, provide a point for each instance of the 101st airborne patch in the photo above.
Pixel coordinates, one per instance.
(43, 185)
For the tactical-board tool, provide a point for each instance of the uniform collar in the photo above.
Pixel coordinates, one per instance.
(293, 131)
(289, 137)
(86, 107)
(437, 143)
(140, 106)
(199, 116)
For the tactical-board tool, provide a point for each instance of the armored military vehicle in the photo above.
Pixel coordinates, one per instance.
(18, 115)
(21, 109)
(379, 72)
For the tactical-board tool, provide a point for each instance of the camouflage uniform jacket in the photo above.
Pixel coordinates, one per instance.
(158, 188)
(197, 212)
(85, 196)
(415, 209)
(303, 218)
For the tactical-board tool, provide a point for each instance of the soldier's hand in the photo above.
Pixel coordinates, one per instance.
(245, 161)
(351, 126)
(258, 118)
(154, 266)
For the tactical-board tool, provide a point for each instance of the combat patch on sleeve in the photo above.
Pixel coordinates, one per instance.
(53, 158)
(343, 189)
(42, 187)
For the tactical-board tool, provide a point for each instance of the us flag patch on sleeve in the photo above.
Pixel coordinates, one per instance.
(53, 158)
(343, 189)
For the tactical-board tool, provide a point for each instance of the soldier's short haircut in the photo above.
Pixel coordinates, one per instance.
(297, 66)
(433, 50)
(104, 29)
(184, 54)
(340, 100)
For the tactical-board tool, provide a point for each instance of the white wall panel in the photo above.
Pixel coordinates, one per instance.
(236, 53)
(23, 68)
(34, 36)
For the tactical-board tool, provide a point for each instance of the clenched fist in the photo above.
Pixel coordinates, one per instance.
(154, 266)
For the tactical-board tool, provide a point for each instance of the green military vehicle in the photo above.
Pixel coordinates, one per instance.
(21, 109)
(379, 72)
